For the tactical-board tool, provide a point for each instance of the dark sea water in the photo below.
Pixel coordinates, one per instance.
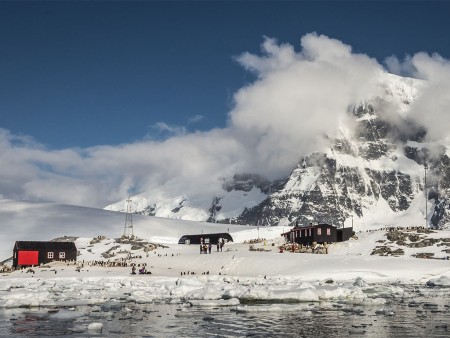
(425, 314)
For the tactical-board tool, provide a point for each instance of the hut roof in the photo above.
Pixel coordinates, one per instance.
(40, 245)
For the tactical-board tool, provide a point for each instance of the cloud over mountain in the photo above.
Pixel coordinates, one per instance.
(298, 97)
(432, 107)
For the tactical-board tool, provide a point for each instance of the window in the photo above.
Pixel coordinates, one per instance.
(309, 232)
(328, 232)
(319, 231)
(49, 254)
(62, 255)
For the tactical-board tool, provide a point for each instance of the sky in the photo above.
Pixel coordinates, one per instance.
(101, 99)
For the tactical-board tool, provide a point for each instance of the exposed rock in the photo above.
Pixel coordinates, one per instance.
(425, 255)
(423, 243)
(387, 251)
(414, 238)
(395, 236)
(97, 239)
(109, 253)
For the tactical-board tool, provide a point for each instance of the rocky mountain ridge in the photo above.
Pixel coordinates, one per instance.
(374, 165)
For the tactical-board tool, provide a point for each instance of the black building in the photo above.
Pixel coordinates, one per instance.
(29, 253)
(320, 233)
(344, 234)
(206, 238)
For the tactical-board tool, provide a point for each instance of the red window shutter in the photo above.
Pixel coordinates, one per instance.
(28, 258)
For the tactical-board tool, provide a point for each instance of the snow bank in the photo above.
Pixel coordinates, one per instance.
(235, 277)
(199, 291)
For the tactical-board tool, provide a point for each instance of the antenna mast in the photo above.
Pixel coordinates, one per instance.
(128, 231)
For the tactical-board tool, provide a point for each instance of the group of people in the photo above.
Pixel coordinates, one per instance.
(206, 248)
(142, 270)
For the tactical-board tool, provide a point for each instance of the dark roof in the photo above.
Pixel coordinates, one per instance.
(312, 226)
(35, 245)
(214, 236)
(218, 234)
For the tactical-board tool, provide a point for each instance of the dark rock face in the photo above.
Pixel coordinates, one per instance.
(246, 182)
(150, 210)
(214, 209)
(179, 207)
(331, 187)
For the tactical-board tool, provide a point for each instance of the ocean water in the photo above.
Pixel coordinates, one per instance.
(417, 313)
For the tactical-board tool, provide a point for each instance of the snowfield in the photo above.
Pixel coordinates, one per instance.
(180, 274)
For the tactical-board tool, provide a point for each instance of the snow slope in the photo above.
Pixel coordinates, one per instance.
(181, 274)
(45, 221)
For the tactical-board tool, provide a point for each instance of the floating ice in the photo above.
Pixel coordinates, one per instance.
(95, 327)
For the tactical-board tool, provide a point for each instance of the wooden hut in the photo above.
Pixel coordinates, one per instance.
(319, 233)
(29, 253)
(206, 238)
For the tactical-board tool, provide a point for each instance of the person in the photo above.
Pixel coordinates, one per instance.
(201, 249)
(221, 245)
(133, 269)
(142, 270)
(218, 246)
(209, 247)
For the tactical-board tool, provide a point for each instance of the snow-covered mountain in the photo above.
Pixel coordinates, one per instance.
(243, 191)
(373, 168)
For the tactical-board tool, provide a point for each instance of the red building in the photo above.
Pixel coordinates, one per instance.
(29, 253)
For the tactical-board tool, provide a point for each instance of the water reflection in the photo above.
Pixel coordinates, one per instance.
(418, 313)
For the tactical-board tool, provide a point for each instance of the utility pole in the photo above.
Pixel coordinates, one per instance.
(128, 221)
(425, 166)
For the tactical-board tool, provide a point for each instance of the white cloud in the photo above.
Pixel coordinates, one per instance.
(431, 109)
(164, 130)
(400, 68)
(296, 99)
(195, 118)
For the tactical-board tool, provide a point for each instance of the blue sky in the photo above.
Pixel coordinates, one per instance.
(101, 99)
(81, 74)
